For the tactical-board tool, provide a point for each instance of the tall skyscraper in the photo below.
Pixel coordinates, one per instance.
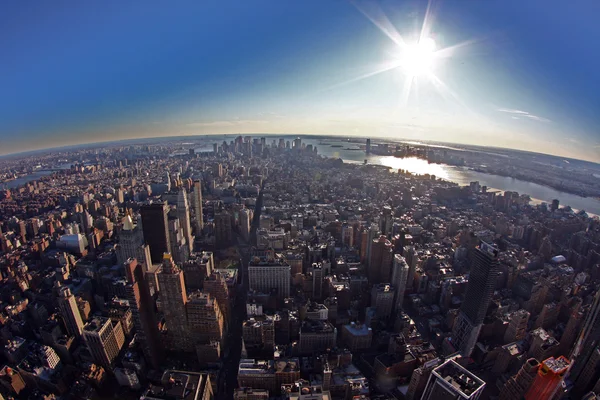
(69, 312)
(198, 207)
(156, 229)
(588, 340)
(245, 222)
(450, 381)
(142, 311)
(399, 277)
(223, 234)
(104, 340)
(548, 379)
(131, 243)
(380, 264)
(516, 387)
(173, 299)
(183, 214)
(179, 246)
(482, 280)
(411, 256)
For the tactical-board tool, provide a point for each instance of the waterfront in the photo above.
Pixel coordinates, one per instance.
(462, 176)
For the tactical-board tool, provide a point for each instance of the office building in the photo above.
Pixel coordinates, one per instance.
(516, 387)
(588, 340)
(182, 385)
(204, 318)
(268, 375)
(411, 256)
(245, 223)
(357, 336)
(180, 250)
(216, 285)
(399, 279)
(482, 281)
(131, 243)
(316, 336)
(183, 215)
(382, 298)
(142, 311)
(450, 381)
(419, 379)
(104, 339)
(223, 233)
(197, 269)
(269, 274)
(69, 312)
(155, 226)
(173, 299)
(198, 207)
(381, 259)
(517, 326)
(548, 379)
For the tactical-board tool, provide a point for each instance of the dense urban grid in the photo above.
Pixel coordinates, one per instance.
(261, 269)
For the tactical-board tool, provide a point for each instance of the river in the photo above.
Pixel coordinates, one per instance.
(462, 176)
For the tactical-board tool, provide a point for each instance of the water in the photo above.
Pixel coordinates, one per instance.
(31, 177)
(538, 193)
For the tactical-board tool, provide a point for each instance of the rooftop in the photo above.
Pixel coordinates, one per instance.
(459, 378)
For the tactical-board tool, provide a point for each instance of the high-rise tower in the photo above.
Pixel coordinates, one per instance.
(482, 280)
(156, 229)
(380, 264)
(588, 340)
(131, 243)
(399, 278)
(69, 312)
(173, 299)
(198, 207)
(142, 311)
(183, 214)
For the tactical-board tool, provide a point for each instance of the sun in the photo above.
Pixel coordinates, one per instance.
(418, 59)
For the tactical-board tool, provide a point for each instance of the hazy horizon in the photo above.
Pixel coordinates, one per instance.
(492, 74)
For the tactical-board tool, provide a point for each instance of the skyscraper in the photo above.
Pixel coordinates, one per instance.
(198, 207)
(142, 312)
(183, 214)
(156, 229)
(588, 340)
(173, 299)
(450, 381)
(399, 277)
(245, 223)
(482, 280)
(69, 312)
(516, 387)
(549, 377)
(131, 243)
(223, 234)
(104, 340)
(380, 264)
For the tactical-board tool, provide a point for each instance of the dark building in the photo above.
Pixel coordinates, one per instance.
(482, 280)
(143, 314)
(156, 229)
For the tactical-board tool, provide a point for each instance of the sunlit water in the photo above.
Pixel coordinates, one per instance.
(462, 176)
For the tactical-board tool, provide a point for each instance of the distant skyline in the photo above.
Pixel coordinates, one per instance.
(523, 75)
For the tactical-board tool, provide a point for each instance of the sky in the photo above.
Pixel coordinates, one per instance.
(514, 74)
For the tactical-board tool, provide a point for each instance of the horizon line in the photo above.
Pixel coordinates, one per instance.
(93, 144)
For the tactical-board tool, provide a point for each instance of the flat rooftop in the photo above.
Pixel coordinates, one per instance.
(459, 378)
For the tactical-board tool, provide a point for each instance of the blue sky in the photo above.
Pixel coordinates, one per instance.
(75, 72)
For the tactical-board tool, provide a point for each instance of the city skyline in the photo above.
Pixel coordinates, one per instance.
(94, 73)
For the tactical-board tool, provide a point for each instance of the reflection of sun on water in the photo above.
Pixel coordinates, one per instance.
(415, 165)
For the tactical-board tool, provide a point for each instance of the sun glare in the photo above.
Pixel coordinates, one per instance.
(419, 59)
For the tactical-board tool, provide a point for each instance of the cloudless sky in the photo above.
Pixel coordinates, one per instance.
(76, 72)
